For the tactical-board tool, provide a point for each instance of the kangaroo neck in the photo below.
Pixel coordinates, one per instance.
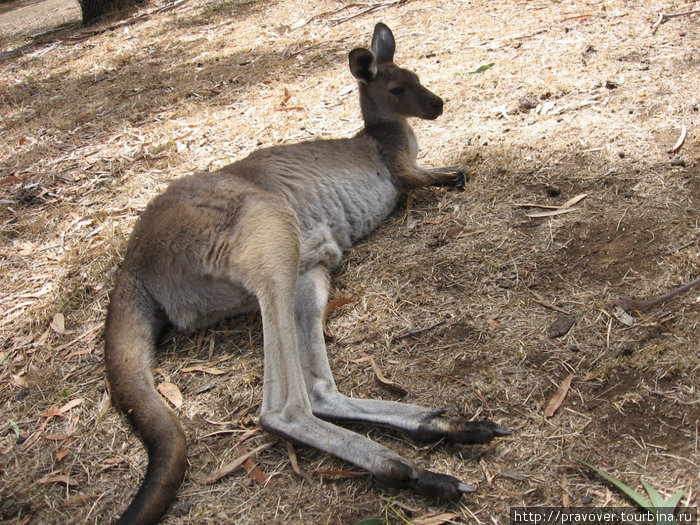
(396, 140)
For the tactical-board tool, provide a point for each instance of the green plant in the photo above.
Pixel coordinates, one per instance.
(658, 504)
(385, 519)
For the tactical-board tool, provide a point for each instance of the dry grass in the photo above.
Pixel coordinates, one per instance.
(95, 123)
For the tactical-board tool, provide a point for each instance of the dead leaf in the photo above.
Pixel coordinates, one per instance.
(437, 519)
(566, 205)
(32, 439)
(362, 359)
(255, 472)
(493, 324)
(50, 412)
(385, 381)
(56, 437)
(573, 201)
(162, 372)
(172, 393)
(558, 397)
(77, 500)
(63, 450)
(71, 404)
(292, 457)
(206, 369)
(59, 478)
(622, 316)
(19, 381)
(61, 453)
(230, 467)
(680, 141)
(565, 497)
(590, 376)
(440, 219)
(58, 323)
(454, 232)
(334, 305)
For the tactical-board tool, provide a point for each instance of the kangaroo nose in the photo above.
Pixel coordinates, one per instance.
(435, 105)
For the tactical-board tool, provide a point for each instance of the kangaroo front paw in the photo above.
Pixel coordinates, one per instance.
(424, 482)
(461, 178)
(450, 176)
(460, 431)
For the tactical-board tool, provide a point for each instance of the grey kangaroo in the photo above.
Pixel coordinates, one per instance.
(263, 234)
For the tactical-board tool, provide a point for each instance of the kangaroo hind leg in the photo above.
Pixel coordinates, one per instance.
(268, 262)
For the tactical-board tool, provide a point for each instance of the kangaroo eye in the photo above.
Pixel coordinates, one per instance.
(396, 91)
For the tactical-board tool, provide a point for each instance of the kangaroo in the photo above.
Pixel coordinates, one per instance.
(263, 234)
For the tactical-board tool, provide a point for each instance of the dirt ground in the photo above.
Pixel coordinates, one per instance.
(28, 17)
(462, 298)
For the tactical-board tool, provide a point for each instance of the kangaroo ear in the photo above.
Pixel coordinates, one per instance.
(363, 66)
(383, 43)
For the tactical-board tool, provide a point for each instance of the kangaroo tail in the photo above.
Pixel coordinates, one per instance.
(130, 334)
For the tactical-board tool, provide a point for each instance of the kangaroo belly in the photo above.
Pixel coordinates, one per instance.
(340, 190)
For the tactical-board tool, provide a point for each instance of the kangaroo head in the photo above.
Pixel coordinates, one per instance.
(388, 92)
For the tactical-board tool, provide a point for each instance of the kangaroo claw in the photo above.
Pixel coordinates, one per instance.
(466, 488)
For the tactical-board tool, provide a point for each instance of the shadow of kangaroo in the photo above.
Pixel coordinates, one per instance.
(264, 233)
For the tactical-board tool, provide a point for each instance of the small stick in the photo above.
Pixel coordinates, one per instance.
(420, 331)
(686, 245)
(663, 17)
(644, 305)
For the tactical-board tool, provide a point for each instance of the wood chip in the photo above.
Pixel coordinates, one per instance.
(560, 327)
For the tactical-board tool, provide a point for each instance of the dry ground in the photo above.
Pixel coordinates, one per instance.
(584, 98)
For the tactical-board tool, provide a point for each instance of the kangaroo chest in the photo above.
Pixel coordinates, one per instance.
(340, 191)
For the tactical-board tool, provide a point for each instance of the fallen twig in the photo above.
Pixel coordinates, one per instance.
(683, 247)
(369, 8)
(643, 305)
(420, 331)
(663, 17)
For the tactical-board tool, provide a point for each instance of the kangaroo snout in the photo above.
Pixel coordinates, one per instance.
(435, 105)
